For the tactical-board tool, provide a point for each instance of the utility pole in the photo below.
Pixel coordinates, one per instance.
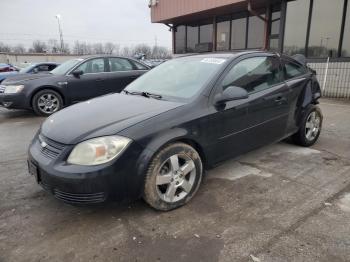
(60, 32)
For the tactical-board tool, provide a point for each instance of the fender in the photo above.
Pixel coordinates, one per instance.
(160, 140)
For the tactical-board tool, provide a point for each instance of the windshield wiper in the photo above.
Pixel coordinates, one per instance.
(145, 94)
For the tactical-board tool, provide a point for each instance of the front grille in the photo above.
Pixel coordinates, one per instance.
(50, 148)
(82, 198)
(2, 89)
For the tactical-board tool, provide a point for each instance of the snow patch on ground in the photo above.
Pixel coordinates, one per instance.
(236, 171)
(305, 151)
(344, 203)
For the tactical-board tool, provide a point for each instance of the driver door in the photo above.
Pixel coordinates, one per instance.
(245, 124)
(90, 84)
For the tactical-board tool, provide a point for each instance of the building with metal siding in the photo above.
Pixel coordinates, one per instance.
(319, 29)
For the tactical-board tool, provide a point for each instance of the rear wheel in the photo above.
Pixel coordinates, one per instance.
(310, 128)
(173, 177)
(46, 102)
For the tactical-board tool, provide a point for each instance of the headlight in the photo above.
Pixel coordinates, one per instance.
(98, 151)
(13, 89)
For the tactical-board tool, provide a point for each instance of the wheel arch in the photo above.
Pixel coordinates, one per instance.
(53, 88)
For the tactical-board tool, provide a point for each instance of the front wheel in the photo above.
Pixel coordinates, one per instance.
(310, 127)
(46, 102)
(173, 177)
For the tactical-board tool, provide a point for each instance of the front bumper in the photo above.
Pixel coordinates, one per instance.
(116, 180)
(17, 100)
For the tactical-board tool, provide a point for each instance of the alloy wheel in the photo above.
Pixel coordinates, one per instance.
(176, 178)
(312, 126)
(48, 103)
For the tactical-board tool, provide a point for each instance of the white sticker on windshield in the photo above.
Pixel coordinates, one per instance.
(217, 61)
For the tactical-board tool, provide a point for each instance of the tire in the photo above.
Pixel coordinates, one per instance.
(46, 102)
(169, 185)
(310, 130)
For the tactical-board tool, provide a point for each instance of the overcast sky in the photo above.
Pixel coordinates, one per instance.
(126, 22)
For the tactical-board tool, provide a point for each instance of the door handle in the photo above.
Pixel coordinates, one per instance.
(279, 99)
(99, 79)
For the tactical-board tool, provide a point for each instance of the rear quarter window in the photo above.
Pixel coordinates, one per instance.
(291, 69)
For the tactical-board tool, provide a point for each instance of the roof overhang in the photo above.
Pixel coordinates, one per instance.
(183, 11)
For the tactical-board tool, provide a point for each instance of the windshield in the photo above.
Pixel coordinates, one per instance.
(180, 78)
(66, 66)
(26, 69)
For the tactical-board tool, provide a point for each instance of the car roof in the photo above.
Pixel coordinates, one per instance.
(226, 54)
(111, 56)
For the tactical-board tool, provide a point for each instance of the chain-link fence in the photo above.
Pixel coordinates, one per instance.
(334, 80)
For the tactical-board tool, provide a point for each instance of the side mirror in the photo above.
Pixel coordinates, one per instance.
(231, 93)
(35, 70)
(78, 73)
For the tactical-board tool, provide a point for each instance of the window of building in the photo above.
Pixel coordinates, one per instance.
(223, 34)
(238, 34)
(325, 28)
(296, 27)
(346, 39)
(292, 70)
(205, 38)
(256, 29)
(180, 45)
(206, 33)
(254, 74)
(275, 22)
(274, 42)
(192, 38)
(274, 38)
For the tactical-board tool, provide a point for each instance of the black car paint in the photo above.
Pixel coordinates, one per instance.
(72, 88)
(216, 131)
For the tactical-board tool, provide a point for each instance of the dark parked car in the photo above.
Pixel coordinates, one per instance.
(73, 81)
(31, 69)
(155, 139)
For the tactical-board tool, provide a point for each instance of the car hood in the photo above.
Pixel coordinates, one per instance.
(23, 77)
(102, 116)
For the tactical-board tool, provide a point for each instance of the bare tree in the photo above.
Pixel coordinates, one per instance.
(20, 49)
(4, 48)
(81, 48)
(39, 46)
(143, 49)
(127, 51)
(97, 48)
(53, 46)
(108, 48)
(160, 52)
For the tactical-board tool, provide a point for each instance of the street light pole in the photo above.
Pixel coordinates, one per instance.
(60, 31)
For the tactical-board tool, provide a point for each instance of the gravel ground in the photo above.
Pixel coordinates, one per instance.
(278, 203)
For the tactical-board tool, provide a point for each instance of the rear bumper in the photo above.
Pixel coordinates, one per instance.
(117, 180)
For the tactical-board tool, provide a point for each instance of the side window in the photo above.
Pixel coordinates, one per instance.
(140, 66)
(254, 74)
(292, 70)
(119, 64)
(92, 66)
(43, 68)
(52, 67)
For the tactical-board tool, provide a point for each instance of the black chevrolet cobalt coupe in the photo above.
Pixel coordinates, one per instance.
(156, 138)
